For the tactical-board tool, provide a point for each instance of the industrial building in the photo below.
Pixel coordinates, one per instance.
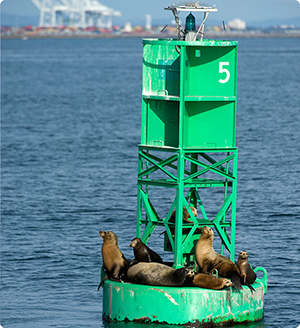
(77, 13)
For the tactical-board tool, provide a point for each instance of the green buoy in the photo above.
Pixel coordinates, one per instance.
(180, 306)
(188, 145)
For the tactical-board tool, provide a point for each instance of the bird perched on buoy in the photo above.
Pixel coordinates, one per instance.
(143, 253)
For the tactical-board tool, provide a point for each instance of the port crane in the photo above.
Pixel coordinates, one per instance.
(77, 13)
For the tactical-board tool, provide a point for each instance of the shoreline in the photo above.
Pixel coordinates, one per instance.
(144, 35)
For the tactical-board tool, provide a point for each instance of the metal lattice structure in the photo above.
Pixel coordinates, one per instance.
(77, 13)
(188, 142)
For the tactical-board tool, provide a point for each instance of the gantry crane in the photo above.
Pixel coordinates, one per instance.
(79, 13)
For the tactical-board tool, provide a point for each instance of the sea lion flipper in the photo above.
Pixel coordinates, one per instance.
(236, 280)
(215, 267)
(243, 279)
(115, 276)
(250, 287)
(115, 279)
(102, 281)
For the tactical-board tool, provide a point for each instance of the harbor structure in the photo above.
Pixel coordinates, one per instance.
(77, 13)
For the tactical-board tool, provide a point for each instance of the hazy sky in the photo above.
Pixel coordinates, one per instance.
(134, 10)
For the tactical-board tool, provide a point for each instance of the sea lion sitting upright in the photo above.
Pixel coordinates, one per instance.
(114, 262)
(208, 260)
(248, 276)
(143, 253)
(206, 281)
(157, 274)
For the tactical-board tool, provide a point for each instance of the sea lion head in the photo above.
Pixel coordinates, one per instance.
(186, 214)
(189, 272)
(135, 242)
(243, 255)
(194, 210)
(228, 283)
(207, 232)
(108, 236)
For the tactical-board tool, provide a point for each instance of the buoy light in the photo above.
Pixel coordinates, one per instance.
(190, 33)
(190, 28)
(190, 23)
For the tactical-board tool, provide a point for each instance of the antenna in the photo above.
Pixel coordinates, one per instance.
(190, 35)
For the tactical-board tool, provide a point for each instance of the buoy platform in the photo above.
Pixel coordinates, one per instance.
(184, 305)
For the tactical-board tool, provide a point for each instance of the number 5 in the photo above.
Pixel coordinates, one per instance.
(224, 70)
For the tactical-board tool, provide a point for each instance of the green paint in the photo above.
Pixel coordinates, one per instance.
(177, 305)
(188, 132)
(189, 117)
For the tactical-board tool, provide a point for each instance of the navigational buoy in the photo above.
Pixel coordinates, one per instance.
(188, 146)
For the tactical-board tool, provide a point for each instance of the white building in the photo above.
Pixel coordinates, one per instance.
(148, 23)
(127, 27)
(237, 24)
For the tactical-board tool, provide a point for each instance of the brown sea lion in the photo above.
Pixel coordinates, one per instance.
(157, 274)
(143, 253)
(208, 260)
(114, 262)
(248, 276)
(185, 215)
(185, 219)
(206, 281)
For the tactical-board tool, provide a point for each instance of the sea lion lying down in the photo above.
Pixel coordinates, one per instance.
(157, 274)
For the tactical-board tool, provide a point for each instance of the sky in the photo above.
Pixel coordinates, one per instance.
(135, 10)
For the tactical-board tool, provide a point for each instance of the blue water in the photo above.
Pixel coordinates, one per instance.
(69, 135)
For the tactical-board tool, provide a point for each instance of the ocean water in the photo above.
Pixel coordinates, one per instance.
(70, 127)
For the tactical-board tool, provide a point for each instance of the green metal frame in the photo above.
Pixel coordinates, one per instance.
(191, 118)
(189, 183)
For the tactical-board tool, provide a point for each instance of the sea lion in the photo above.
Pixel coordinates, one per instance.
(247, 275)
(114, 262)
(206, 281)
(157, 274)
(185, 215)
(208, 260)
(185, 219)
(143, 253)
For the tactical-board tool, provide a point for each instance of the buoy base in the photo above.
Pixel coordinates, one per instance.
(183, 305)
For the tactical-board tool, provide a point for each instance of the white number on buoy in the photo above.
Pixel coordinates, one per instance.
(224, 70)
